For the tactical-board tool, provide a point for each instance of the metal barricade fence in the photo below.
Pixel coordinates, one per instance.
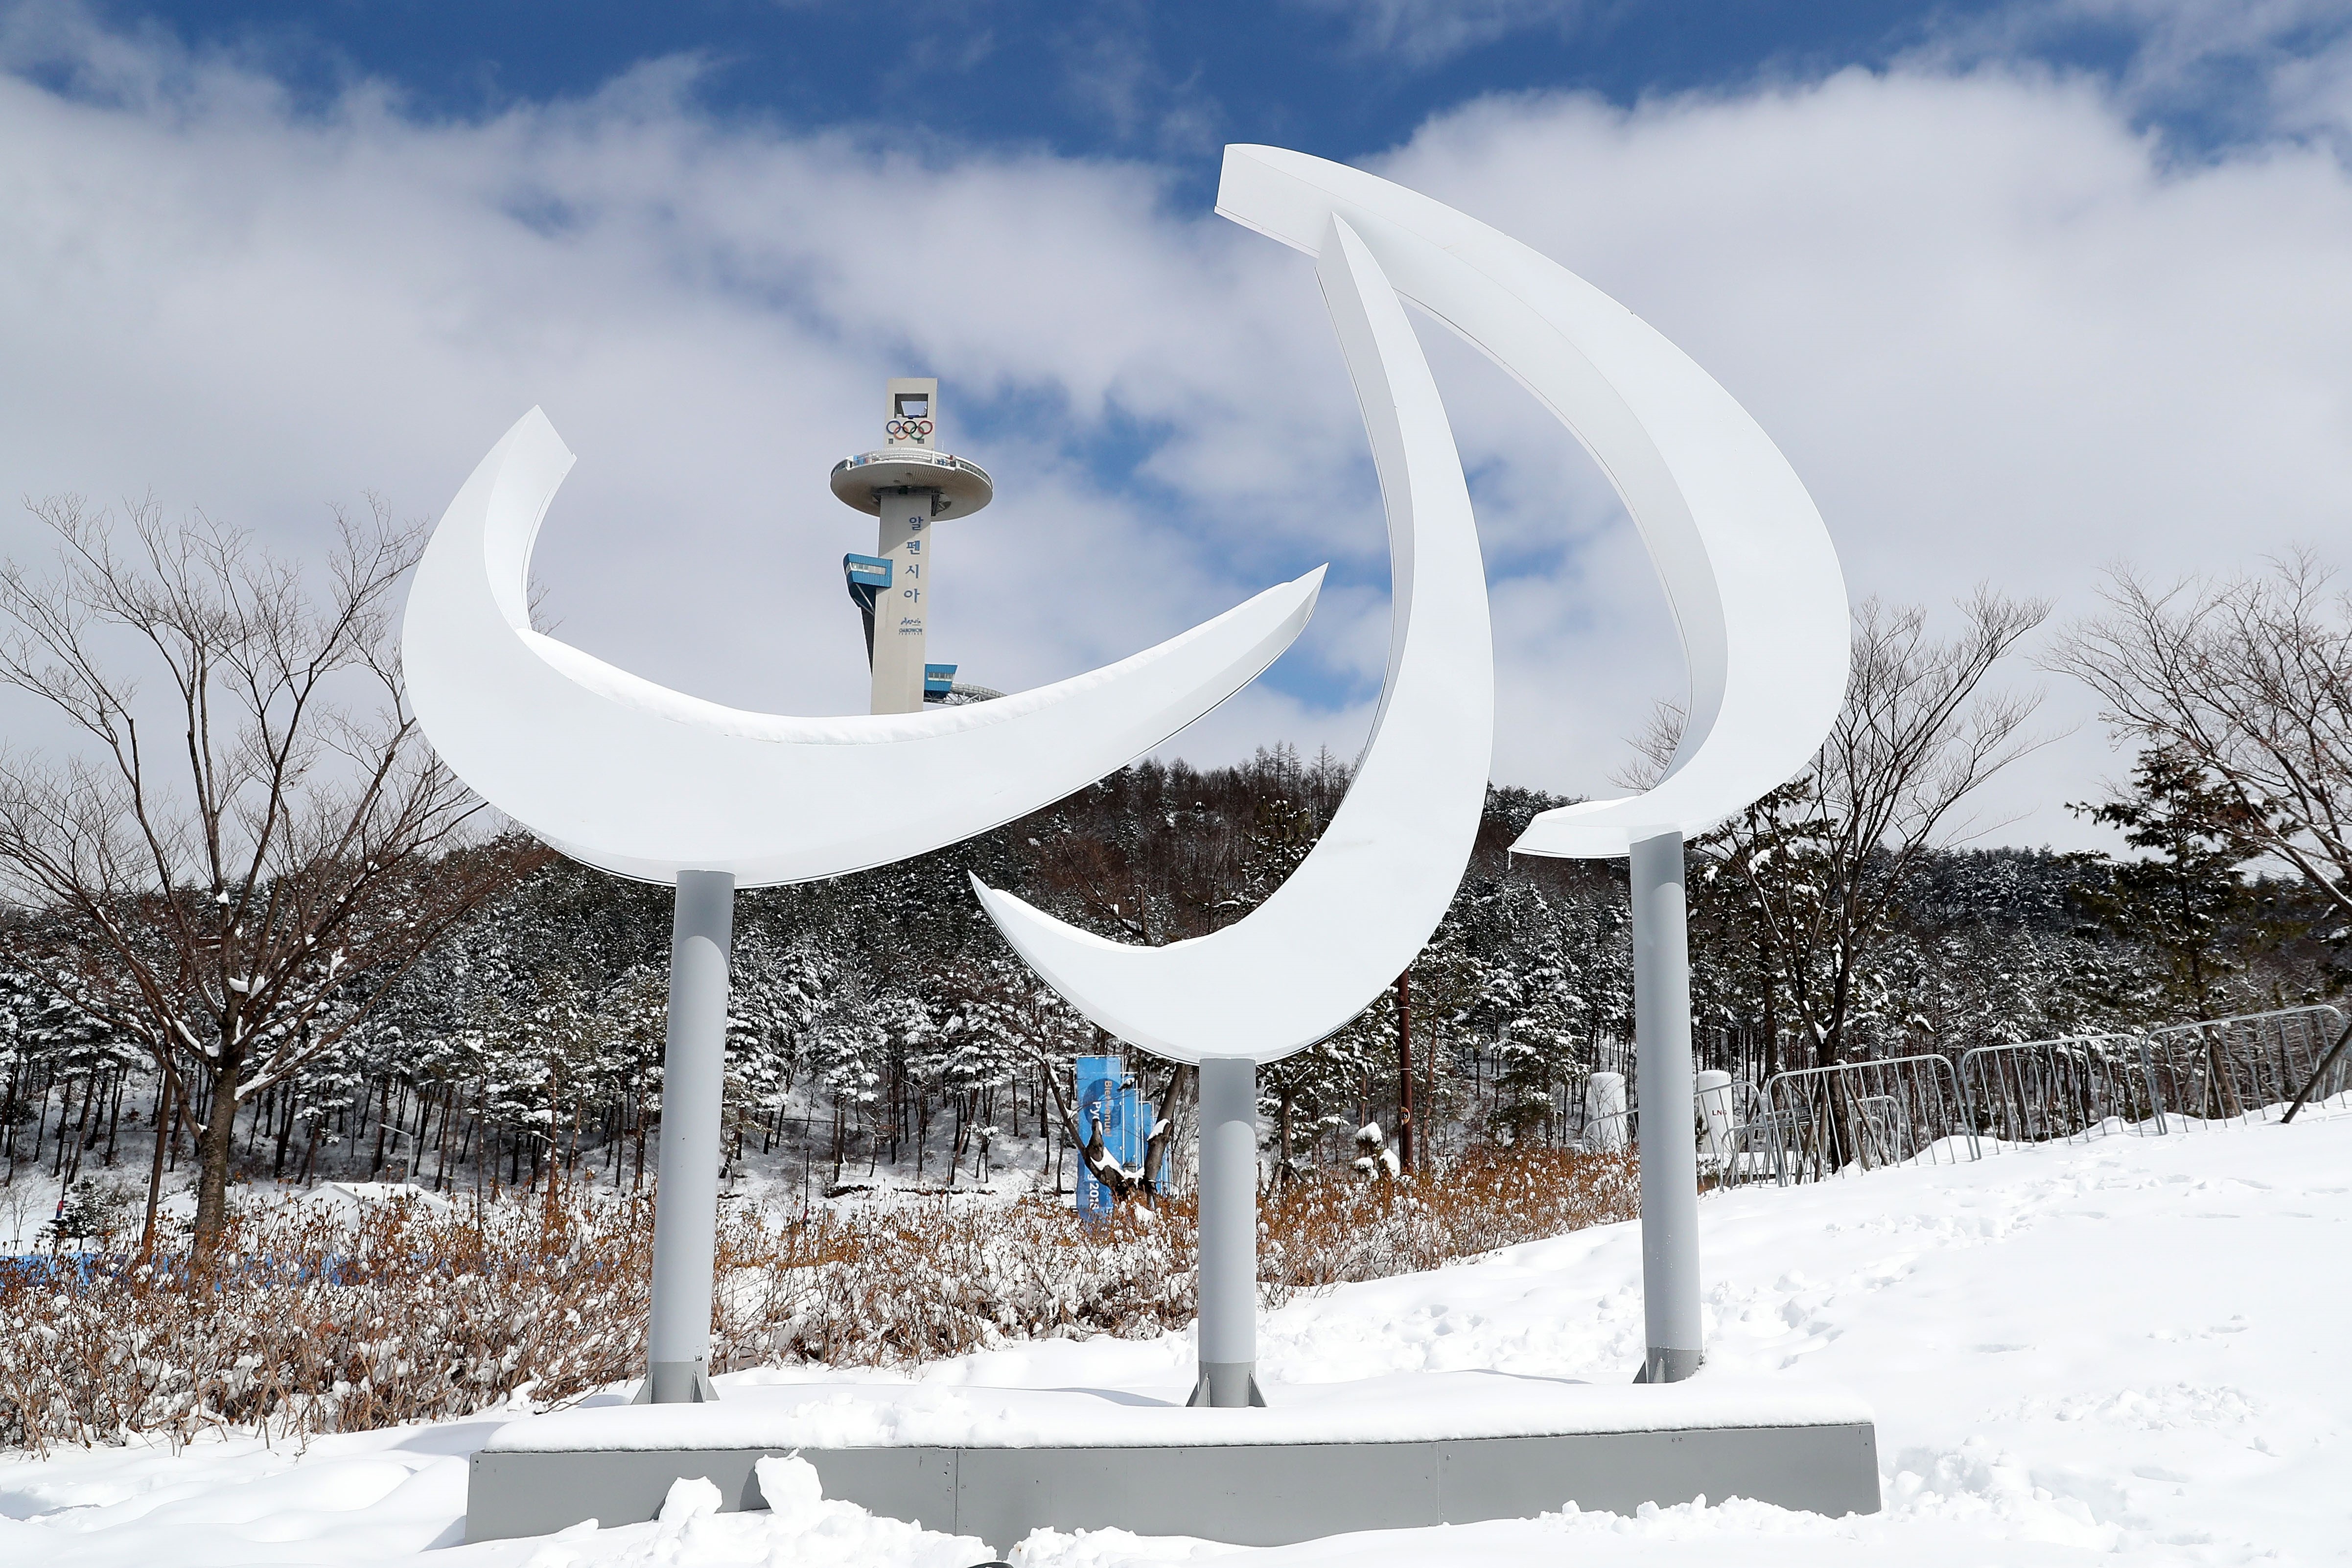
(2245, 1069)
(2040, 1091)
(1809, 1123)
(1818, 1121)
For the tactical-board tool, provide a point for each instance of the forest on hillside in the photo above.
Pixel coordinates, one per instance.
(879, 1028)
(252, 909)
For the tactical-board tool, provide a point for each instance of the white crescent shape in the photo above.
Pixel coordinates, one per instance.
(620, 773)
(1746, 564)
(1374, 887)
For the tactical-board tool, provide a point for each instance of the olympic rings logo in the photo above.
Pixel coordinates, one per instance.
(909, 427)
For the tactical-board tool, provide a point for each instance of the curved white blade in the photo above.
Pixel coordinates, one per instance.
(647, 782)
(1745, 562)
(1368, 896)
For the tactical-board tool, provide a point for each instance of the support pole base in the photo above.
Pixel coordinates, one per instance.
(1518, 1448)
(676, 1382)
(1665, 1365)
(1227, 1385)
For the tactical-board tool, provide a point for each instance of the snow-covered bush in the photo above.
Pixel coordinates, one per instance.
(335, 1321)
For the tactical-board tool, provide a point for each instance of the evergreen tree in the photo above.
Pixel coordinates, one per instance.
(2187, 893)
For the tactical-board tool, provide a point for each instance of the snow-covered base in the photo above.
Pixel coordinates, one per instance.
(1411, 1406)
(2129, 1350)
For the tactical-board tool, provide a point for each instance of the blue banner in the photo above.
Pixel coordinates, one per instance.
(1107, 1098)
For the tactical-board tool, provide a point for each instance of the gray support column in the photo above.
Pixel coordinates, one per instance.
(1662, 1033)
(1228, 1234)
(686, 1202)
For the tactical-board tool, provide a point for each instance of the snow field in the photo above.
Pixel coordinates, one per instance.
(2130, 1349)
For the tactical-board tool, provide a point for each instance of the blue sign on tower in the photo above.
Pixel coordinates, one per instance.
(867, 576)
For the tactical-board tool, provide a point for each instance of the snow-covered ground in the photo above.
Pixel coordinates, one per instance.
(2136, 1348)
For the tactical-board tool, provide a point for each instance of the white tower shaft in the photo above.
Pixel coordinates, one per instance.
(899, 610)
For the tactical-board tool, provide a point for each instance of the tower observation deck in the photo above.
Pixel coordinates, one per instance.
(909, 485)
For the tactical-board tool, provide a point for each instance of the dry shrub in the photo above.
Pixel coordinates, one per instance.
(1333, 1233)
(313, 1323)
(916, 1280)
(325, 1324)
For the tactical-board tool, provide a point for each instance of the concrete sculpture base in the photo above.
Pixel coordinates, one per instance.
(1325, 1459)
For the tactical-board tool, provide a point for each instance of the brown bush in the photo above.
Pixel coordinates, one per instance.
(1332, 1233)
(325, 1324)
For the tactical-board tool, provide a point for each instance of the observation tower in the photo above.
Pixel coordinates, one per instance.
(908, 485)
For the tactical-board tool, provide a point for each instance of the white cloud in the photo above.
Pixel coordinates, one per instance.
(2000, 335)
(2216, 69)
(207, 295)
(1429, 32)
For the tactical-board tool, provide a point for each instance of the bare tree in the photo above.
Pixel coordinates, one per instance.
(1816, 867)
(240, 888)
(2249, 681)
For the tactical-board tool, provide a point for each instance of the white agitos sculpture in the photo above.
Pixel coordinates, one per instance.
(639, 779)
(1374, 887)
(1756, 591)
(653, 784)
(1738, 545)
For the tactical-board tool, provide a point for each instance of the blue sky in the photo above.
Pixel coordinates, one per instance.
(1340, 78)
(1335, 79)
(2022, 290)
